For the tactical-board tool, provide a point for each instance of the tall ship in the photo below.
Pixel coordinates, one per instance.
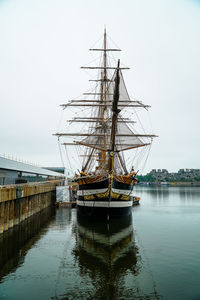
(103, 128)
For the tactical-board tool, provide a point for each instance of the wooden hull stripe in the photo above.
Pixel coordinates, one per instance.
(121, 192)
(91, 192)
(99, 191)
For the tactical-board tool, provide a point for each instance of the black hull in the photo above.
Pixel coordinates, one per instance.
(103, 212)
(94, 185)
(108, 198)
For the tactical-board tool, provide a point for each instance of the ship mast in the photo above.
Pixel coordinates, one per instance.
(105, 59)
(115, 112)
(106, 137)
(102, 157)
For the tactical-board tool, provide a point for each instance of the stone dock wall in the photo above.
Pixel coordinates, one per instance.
(19, 202)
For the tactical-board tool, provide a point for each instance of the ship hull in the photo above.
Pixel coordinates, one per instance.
(103, 212)
(108, 198)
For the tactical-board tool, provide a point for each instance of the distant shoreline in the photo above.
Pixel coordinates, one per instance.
(143, 183)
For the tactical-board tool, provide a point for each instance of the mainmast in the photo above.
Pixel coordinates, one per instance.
(105, 56)
(102, 156)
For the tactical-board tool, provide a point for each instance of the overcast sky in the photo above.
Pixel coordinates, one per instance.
(43, 43)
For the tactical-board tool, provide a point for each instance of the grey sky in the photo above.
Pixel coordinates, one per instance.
(43, 43)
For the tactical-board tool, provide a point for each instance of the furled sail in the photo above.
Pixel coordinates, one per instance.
(124, 98)
(125, 137)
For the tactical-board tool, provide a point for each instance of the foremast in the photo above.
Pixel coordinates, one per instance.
(115, 112)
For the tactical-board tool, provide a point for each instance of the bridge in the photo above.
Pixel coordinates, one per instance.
(12, 171)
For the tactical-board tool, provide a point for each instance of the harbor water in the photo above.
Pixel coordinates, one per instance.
(153, 254)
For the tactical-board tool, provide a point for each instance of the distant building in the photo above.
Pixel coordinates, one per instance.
(182, 175)
(13, 171)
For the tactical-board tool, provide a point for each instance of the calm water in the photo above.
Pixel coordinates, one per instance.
(154, 254)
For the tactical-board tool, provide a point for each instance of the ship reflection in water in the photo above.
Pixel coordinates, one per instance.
(107, 253)
(59, 256)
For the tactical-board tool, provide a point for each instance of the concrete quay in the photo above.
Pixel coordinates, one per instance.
(19, 202)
